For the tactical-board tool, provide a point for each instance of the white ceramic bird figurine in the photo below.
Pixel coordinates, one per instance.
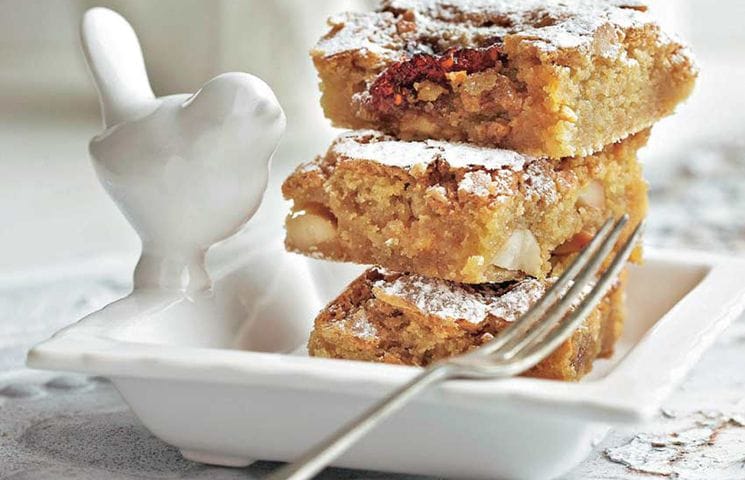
(186, 170)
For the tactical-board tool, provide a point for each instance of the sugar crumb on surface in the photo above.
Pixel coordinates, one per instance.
(455, 301)
(377, 147)
(435, 25)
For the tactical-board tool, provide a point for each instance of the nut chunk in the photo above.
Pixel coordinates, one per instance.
(552, 78)
(413, 320)
(456, 211)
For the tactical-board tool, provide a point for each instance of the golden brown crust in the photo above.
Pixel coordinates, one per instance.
(422, 207)
(547, 78)
(377, 319)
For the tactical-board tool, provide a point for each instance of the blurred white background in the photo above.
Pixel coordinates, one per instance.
(54, 214)
(51, 206)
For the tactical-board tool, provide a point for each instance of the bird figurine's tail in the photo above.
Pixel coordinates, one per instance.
(115, 60)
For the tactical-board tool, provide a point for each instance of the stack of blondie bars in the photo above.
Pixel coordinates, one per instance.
(492, 139)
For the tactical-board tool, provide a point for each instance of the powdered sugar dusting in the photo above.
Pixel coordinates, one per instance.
(436, 297)
(308, 167)
(516, 302)
(376, 34)
(539, 184)
(455, 301)
(361, 327)
(495, 172)
(499, 184)
(475, 183)
(441, 24)
(377, 147)
(438, 192)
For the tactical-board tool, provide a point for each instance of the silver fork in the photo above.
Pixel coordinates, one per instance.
(519, 347)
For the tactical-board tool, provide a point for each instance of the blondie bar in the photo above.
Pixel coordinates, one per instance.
(413, 320)
(456, 211)
(551, 78)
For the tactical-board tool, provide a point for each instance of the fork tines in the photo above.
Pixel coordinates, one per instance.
(550, 322)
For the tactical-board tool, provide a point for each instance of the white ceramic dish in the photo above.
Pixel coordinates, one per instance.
(207, 389)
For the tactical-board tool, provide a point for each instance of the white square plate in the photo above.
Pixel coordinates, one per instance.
(225, 393)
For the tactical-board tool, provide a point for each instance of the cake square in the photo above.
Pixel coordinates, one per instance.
(456, 211)
(552, 78)
(408, 319)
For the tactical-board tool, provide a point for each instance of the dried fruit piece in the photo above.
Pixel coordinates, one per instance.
(390, 88)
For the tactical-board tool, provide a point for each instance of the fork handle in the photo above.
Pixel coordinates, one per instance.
(314, 460)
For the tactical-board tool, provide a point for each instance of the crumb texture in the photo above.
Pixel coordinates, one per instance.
(546, 77)
(399, 318)
(457, 212)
